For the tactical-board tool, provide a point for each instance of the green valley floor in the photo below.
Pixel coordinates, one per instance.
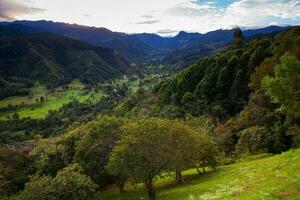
(274, 177)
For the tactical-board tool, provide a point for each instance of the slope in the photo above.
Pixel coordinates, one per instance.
(267, 178)
(54, 60)
(218, 85)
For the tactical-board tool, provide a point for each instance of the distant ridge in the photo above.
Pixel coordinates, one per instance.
(137, 47)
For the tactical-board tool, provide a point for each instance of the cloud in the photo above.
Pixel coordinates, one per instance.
(167, 32)
(13, 9)
(148, 22)
(193, 8)
(147, 16)
(138, 16)
(260, 12)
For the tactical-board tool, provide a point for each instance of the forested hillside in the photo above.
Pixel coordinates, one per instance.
(218, 85)
(53, 60)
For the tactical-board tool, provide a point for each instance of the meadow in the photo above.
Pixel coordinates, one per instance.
(31, 105)
(271, 178)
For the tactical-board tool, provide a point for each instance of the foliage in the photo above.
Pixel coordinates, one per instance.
(284, 87)
(255, 140)
(15, 168)
(229, 71)
(68, 184)
(151, 146)
(94, 148)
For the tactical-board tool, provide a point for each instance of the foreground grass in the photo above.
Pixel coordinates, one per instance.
(276, 177)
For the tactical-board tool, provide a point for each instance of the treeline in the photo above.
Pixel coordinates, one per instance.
(108, 150)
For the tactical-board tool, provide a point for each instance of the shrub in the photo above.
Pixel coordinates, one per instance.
(254, 140)
(68, 184)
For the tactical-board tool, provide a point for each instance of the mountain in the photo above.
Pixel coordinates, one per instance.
(53, 60)
(129, 45)
(138, 47)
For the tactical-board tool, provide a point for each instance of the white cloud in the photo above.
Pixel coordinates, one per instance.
(258, 12)
(12, 9)
(154, 15)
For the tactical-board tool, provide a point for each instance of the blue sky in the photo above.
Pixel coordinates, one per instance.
(165, 17)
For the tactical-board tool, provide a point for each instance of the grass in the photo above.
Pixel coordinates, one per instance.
(29, 107)
(272, 178)
(37, 91)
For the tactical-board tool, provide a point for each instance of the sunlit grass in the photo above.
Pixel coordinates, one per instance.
(30, 107)
(276, 177)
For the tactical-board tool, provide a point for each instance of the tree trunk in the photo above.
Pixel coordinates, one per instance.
(150, 189)
(198, 170)
(121, 183)
(203, 168)
(179, 179)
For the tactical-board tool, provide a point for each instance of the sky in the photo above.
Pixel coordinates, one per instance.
(164, 17)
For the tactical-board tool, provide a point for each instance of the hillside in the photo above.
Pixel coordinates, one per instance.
(53, 60)
(273, 177)
(218, 84)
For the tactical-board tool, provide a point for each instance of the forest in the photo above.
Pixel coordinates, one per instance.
(217, 129)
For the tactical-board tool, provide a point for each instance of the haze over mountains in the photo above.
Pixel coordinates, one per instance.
(138, 47)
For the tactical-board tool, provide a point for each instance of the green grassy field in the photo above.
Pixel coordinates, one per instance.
(29, 107)
(275, 177)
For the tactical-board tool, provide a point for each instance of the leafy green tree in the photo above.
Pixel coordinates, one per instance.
(254, 140)
(284, 87)
(180, 141)
(15, 168)
(68, 184)
(150, 147)
(47, 157)
(94, 148)
(205, 152)
(38, 188)
(141, 153)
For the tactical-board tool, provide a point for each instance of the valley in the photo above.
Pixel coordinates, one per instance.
(40, 100)
(89, 113)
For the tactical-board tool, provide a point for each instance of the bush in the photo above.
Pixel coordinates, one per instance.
(256, 139)
(15, 168)
(68, 184)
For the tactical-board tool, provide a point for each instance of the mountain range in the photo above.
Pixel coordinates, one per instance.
(139, 47)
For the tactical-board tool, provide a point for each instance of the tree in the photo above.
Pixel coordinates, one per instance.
(149, 147)
(42, 99)
(238, 37)
(15, 168)
(141, 153)
(284, 87)
(255, 139)
(205, 152)
(180, 141)
(94, 148)
(68, 184)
